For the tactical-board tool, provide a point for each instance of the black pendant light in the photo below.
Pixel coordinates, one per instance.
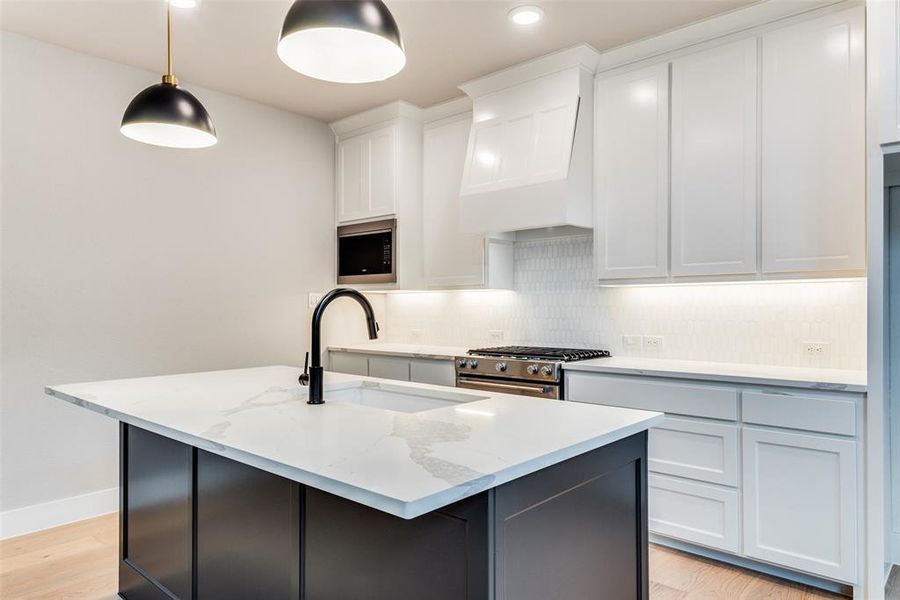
(166, 115)
(343, 41)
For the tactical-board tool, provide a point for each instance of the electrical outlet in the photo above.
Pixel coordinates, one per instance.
(632, 343)
(495, 335)
(816, 349)
(415, 335)
(313, 299)
(653, 343)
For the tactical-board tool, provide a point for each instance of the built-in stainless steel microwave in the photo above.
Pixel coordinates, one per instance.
(367, 252)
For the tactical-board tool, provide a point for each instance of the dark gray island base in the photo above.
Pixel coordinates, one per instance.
(195, 525)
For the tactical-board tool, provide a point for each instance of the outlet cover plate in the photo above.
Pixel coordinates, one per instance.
(653, 343)
(816, 349)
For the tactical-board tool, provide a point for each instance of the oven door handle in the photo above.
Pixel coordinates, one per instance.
(527, 389)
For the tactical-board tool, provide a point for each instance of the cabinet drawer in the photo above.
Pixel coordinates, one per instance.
(351, 364)
(435, 372)
(675, 398)
(808, 412)
(389, 367)
(694, 512)
(695, 449)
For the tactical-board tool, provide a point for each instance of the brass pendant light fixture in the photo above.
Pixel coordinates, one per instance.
(342, 41)
(167, 115)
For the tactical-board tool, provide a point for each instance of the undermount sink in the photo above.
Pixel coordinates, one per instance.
(396, 398)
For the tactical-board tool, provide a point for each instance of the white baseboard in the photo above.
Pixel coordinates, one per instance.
(36, 517)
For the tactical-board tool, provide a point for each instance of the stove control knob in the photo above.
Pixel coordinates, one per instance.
(547, 370)
(461, 363)
(473, 364)
(500, 366)
(532, 369)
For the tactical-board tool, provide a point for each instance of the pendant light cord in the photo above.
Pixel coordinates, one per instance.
(169, 77)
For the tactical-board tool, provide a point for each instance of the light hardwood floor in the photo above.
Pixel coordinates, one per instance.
(79, 561)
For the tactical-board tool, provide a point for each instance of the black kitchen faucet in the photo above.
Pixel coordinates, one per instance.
(314, 377)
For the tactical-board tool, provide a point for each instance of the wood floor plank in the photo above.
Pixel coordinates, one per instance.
(892, 589)
(80, 562)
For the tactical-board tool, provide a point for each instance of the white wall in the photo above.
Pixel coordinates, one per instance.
(121, 259)
(556, 302)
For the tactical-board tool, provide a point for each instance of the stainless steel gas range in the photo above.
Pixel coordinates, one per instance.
(523, 370)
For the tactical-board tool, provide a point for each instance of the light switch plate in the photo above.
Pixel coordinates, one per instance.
(632, 343)
(314, 298)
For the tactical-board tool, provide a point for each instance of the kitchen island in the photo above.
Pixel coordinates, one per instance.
(233, 487)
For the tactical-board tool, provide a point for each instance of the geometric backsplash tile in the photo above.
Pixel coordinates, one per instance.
(556, 303)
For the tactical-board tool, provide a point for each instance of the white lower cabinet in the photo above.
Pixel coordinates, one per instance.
(351, 364)
(435, 372)
(765, 473)
(389, 367)
(694, 512)
(695, 449)
(800, 501)
(419, 370)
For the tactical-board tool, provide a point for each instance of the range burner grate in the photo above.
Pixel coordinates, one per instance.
(539, 353)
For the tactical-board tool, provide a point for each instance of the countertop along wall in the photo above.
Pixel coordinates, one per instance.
(121, 259)
(556, 302)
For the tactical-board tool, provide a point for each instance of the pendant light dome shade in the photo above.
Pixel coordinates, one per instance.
(342, 41)
(166, 115)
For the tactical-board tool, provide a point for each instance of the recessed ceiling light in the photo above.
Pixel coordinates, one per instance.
(526, 15)
(184, 3)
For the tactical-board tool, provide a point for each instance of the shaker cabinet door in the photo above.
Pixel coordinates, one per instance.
(157, 516)
(368, 175)
(452, 258)
(242, 512)
(800, 501)
(813, 145)
(714, 165)
(885, 17)
(631, 174)
(353, 198)
(383, 176)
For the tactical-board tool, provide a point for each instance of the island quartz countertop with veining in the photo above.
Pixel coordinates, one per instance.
(403, 463)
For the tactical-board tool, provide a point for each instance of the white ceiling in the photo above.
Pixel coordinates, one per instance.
(230, 45)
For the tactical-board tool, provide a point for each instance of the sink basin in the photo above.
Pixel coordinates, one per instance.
(396, 398)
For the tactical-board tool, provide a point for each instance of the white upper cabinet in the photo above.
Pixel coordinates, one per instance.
(885, 17)
(368, 174)
(454, 259)
(813, 145)
(631, 196)
(378, 163)
(714, 161)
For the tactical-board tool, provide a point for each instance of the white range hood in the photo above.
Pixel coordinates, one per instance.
(529, 158)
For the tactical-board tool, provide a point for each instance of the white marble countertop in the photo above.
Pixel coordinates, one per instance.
(406, 464)
(406, 350)
(800, 377)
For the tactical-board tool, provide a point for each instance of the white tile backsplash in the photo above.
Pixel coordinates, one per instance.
(556, 302)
